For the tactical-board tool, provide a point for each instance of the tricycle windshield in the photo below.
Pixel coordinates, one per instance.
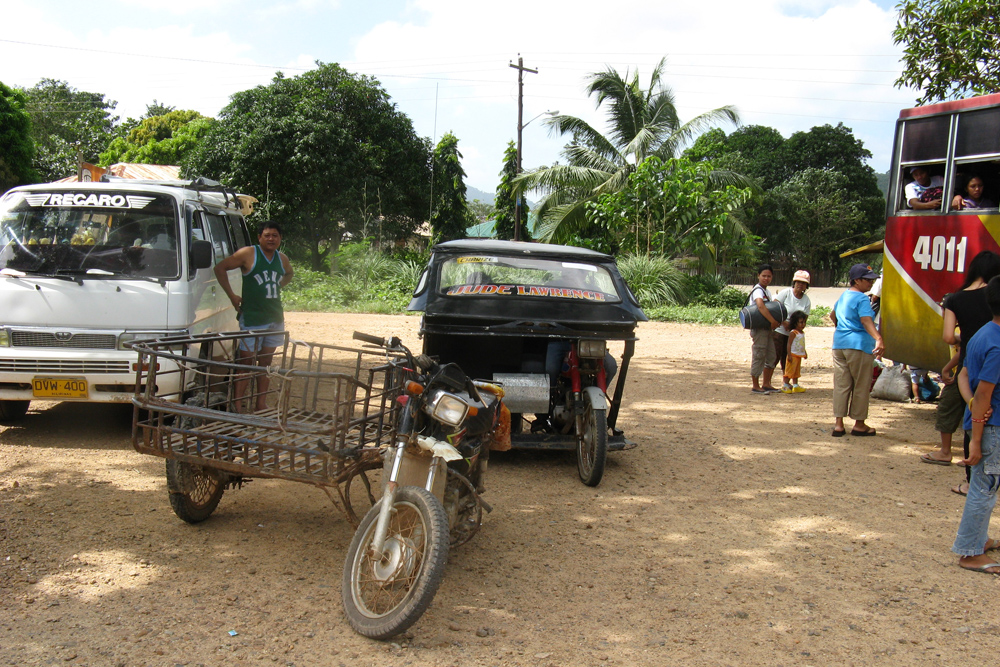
(528, 277)
(91, 234)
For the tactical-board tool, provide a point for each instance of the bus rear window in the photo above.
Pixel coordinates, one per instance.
(526, 277)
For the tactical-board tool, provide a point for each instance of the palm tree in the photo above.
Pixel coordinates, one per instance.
(643, 123)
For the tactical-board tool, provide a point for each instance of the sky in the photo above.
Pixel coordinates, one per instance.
(787, 64)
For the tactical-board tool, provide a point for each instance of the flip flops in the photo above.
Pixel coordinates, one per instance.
(838, 434)
(927, 458)
(982, 568)
(862, 434)
(959, 491)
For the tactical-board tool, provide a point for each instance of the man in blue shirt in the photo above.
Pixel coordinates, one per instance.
(979, 382)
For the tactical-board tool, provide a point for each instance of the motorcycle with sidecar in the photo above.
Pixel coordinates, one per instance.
(537, 319)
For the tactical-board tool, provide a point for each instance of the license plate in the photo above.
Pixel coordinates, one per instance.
(59, 388)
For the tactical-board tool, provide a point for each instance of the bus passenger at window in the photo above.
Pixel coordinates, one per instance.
(971, 196)
(920, 193)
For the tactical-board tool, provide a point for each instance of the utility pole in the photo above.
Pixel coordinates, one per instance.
(521, 69)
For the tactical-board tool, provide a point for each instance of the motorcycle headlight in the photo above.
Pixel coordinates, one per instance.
(592, 349)
(448, 408)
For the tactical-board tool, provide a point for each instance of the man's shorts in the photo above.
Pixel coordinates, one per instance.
(255, 344)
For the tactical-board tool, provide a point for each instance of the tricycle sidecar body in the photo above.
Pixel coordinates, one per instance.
(518, 313)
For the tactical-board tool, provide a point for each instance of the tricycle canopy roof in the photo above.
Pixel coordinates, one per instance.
(514, 288)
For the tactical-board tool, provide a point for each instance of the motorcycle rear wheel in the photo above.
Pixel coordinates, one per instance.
(592, 443)
(384, 597)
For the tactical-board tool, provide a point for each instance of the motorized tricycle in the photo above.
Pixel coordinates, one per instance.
(536, 319)
(335, 418)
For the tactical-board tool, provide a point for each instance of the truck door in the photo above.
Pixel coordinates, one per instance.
(224, 318)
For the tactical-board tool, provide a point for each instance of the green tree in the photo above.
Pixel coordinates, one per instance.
(836, 148)
(505, 201)
(165, 139)
(643, 123)
(761, 153)
(67, 125)
(673, 208)
(16, 146)
(481, 211)
(157, 109)
(950, 48)
(450, 216)
(328, 154)
(821, 217)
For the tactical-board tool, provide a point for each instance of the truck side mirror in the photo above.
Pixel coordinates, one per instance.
(201, 254)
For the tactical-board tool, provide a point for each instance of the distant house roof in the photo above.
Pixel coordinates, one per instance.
(488, 229)
(484, 230)
(150, 172)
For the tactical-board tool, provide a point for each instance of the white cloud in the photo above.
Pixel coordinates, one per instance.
(790, 65)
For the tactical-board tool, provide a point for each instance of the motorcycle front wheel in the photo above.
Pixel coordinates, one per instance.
(592, 443)
(385, 596)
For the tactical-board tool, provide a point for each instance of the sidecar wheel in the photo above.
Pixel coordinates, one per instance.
(384, 597)
(195, 491)
(592, 444)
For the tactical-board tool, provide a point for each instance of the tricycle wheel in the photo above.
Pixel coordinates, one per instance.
(11, 411)
(195, 491)
(592, 443)
(385, 596)
(358, 488)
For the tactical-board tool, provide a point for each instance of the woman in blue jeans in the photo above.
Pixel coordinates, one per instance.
(978, 382)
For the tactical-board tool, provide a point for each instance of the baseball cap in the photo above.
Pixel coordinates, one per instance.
(801, 275)
(859, 271)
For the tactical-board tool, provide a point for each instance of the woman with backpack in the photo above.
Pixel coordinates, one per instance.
(763, 357)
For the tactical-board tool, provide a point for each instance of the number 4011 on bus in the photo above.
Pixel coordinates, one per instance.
(940, 253)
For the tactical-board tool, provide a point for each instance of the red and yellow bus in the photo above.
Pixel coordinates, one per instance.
(928, 251)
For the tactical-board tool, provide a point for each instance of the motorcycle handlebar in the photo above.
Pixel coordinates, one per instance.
(368, 338)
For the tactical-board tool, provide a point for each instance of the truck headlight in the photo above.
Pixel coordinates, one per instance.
(592, 349)
(4, 338)
(125, 340)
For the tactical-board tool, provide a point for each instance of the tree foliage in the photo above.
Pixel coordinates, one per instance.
(643, 123)
(16, 146)
(450, 215)
(165, 139)
(820, 216)
(673, 208)
(67, 125)
(481, 211)
(505, 201)
(761, 153)
(950, 48)
(327, 153)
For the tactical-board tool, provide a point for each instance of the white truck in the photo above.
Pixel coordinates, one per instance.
(87, 268)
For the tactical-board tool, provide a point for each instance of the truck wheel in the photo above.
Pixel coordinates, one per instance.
(195, 491)
(11, 411)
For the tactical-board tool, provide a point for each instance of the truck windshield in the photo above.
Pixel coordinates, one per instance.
(531, 277)
(93, 233)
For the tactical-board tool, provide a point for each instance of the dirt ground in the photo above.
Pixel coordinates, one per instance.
(737, 533)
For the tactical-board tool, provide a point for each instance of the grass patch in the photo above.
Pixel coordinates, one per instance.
(696, 314)
(700, 314)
